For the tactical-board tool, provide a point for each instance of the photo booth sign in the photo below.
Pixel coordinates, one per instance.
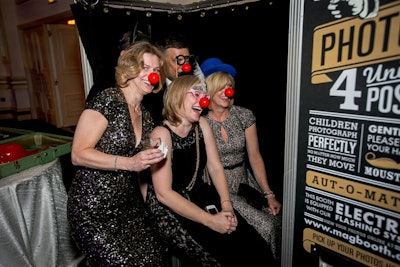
(342, 156)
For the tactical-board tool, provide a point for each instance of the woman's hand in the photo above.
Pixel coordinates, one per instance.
(274, 206)
(226, 205)
(144, 159)
(223, 222)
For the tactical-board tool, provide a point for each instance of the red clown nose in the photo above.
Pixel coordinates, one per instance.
(153, 78)
(204, 102)
(186, 67)
(229, 92)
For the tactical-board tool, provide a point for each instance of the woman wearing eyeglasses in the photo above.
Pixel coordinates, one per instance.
(174, 195)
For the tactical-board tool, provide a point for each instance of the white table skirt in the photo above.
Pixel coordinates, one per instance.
(33, 220)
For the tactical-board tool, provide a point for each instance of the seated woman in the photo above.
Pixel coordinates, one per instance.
(235, 133)
(175, 194)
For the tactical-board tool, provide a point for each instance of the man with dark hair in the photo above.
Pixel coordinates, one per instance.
(177, 54)
(177, 57)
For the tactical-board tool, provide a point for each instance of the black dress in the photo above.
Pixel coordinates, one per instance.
(244, 247)
(106, 211)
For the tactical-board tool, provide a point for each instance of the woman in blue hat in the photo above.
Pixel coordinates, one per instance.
(235, 132)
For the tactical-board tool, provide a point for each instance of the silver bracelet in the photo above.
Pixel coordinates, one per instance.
(115, 163)
(268, 194)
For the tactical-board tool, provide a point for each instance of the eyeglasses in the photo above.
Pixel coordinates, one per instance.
(181, 59)
(198, 94)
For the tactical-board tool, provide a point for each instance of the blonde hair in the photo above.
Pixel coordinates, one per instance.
(216, 82)
(174, 97)
(130, 63)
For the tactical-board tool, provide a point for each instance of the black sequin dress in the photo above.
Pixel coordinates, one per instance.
(106, 211)
(244, 247)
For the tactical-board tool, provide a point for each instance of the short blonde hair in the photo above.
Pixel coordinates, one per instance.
(130, 63)
(217, 81)
(175, 95)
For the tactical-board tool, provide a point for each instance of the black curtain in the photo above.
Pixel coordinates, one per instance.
(252, 37)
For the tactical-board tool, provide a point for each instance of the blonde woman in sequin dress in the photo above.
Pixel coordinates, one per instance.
(106, 211)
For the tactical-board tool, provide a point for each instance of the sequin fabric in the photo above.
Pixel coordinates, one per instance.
(184, 234)
(106, 212)
(232, 155)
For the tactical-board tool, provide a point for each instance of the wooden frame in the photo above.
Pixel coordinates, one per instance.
(3, 42)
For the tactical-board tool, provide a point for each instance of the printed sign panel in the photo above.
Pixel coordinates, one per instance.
(348, 165)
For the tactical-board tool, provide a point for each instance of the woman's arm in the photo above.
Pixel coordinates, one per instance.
(258, 167)
(214, 166)
(90, 128)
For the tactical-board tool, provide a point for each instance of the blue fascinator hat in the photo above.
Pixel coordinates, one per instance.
(212, 65)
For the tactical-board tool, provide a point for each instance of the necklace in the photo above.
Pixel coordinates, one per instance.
(193, 181)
